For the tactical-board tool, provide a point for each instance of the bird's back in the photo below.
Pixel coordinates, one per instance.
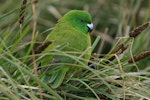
(70, 41)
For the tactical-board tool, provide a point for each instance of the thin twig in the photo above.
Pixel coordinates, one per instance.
(33, 52)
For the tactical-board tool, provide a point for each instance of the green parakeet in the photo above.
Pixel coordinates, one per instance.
(70, 41)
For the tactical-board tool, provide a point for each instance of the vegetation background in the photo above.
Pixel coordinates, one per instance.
(113, 79)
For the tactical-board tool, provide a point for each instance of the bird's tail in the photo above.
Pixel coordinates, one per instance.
(55, 78)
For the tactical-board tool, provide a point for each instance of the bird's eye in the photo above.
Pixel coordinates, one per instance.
(81, 20)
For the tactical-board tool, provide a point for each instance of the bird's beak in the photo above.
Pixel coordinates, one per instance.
(90, 26)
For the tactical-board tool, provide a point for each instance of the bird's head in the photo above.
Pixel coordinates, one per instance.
(80, 20)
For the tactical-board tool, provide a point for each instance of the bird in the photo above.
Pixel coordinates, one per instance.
(70, 40)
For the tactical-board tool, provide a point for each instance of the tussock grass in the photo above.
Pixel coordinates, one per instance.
(115, 44)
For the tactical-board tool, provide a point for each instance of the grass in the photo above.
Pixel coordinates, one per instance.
(114, 77)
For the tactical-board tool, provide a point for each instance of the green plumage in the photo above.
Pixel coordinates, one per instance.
(70, 37)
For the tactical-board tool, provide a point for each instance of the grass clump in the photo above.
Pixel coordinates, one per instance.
(120, 50)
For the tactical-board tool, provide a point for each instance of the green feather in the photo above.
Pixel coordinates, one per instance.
(70, 37)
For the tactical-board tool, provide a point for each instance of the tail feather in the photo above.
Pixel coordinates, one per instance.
(60, 77)
(56, 78)
(52, 77)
